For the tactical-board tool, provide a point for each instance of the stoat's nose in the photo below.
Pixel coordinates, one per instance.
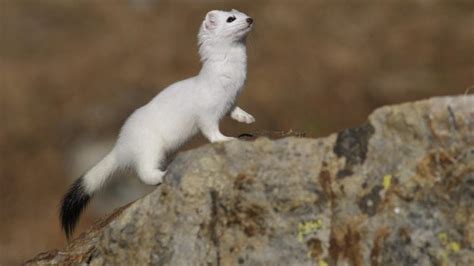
(250, 21)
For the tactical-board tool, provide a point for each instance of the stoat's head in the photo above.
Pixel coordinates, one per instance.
(221, 28)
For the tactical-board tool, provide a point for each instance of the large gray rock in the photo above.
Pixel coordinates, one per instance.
(398, 190)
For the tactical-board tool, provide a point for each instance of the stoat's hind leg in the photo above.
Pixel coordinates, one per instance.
(147, 165)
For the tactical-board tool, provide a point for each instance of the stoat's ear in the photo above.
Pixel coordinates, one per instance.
(211, 21)
(235, 11)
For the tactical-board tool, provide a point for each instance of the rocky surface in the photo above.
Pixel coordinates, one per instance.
(397, 190)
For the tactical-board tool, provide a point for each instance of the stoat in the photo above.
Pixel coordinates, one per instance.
(176, 114)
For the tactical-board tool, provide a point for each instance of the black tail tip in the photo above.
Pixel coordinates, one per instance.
(72, 206)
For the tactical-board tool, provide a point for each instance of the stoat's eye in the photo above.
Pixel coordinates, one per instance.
(230, 19)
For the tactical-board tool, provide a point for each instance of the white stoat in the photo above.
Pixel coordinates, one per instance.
(177, 113)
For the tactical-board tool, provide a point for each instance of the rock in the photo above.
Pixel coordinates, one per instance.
(398, 190)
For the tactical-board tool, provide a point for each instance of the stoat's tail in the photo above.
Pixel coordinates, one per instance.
(81, 191)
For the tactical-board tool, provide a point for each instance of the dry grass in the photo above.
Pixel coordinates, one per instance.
(73, 70)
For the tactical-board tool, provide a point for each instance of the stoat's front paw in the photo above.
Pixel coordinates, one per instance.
(243, 117)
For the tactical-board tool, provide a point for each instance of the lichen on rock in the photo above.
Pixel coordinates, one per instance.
(398, 190)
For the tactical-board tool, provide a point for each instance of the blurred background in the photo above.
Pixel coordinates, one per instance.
(72, 71)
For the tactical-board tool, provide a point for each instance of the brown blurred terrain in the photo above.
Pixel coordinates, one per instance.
(72, 71)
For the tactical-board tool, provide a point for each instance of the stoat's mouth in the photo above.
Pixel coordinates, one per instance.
(248, 28)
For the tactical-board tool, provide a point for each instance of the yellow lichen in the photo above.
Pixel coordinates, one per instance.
(322, 262)
(306, 228)
(387, 181)
(443, 238)
(454, 247)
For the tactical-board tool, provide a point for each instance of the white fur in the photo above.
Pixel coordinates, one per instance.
(185, 107)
